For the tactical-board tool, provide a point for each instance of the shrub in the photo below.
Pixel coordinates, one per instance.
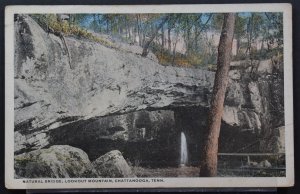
(50, 21)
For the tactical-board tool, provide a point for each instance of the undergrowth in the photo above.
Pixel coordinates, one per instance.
(49, 21)
(197, 59)
(166, 57)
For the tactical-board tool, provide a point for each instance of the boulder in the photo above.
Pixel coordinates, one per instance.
(234, 94)
(112, 165)
(250, 120)
(264, 164)
(274, 140)
(234, 74)
(59, 161)
(255, 96)
(230, 115)
(265, 67)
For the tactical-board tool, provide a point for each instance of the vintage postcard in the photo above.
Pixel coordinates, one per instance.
(152, 96)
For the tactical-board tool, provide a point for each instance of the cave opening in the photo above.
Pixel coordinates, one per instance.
(149, 139)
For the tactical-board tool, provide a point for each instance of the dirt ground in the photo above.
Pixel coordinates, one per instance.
(184, 171)
(189, 171)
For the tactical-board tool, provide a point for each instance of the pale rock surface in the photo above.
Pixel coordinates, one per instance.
(113, 165)
(59, 161)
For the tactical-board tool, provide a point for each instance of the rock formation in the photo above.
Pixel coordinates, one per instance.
(59, 161)
(102, 81)
(112, 98)
(112, 165)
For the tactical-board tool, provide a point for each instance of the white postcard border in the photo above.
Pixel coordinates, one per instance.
(10, 182)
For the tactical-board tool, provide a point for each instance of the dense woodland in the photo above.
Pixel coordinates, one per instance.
(178, 39)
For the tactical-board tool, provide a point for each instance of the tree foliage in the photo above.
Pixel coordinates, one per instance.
(184, 39)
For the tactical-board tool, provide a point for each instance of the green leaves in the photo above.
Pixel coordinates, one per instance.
(194, 35)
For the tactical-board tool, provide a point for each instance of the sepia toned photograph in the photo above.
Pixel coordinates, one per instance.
(144, 98)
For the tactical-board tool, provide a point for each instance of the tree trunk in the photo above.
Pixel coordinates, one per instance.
(146, 46)
(169, 38)
(238, 44)
(174, 53)
(126, 28)
(174, 49)
(135, 34)
(162, 37)
(188, 40)
(107, 26)
(94, 26)
(129, 33)
(209, 158)
(99, 23)
(138, 28)
(197, 33)
(70, 19)
(250, 28)
(143, 39)
(162, 40)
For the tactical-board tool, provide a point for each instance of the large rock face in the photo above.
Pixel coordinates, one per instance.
(112, 165)
(59, 161)
(100, 81)
(106, 99)
(254, 104)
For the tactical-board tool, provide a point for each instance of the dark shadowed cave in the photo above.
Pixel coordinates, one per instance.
(148, 138)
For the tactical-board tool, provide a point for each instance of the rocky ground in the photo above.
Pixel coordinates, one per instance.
(167, 172)
(63, 161)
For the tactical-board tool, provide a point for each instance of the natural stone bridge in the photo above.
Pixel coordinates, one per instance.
(108, 95)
